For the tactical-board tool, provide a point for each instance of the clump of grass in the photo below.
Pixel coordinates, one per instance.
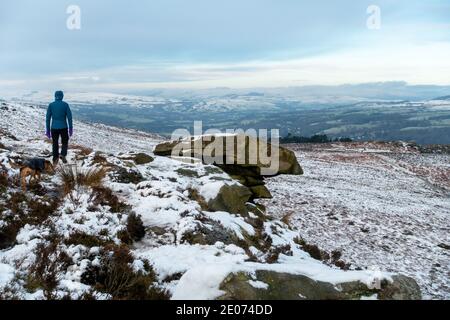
(135, 227)
(315, 252)
(116, 277)
(87, 240)
(135, 230)
(72, 177)
(274, 253)
(195, 196)
(17, 203)
(99, 158)
(104, 196)
(43, 273)
(286, 219)
(8, 234)
(40, 210)
(82, 150)
(3, 180)
(4, 133)
(23, 211)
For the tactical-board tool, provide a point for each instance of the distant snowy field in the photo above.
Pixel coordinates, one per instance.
(384, 206)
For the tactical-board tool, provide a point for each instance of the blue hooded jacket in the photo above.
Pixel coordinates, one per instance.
(58, 112)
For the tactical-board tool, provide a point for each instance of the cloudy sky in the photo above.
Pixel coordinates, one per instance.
(137, 45)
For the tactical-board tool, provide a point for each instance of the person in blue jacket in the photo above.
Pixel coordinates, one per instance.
(59, 124)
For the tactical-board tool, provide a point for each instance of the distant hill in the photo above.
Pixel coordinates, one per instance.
(297, 111)
(443, 98)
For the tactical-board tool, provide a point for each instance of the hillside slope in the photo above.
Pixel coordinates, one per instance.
(384, 205)
(117, 224)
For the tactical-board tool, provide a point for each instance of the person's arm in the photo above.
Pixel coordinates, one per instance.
(48, 118)
(69, 117)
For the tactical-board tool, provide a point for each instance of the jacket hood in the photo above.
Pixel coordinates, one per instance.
(59, 95)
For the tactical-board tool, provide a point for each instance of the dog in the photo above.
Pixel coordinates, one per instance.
(32, 168)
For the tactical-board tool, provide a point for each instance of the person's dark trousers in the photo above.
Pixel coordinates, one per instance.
(56, 133)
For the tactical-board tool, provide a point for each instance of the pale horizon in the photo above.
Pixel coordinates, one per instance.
(173, 44)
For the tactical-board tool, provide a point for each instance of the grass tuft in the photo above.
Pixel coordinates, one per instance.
(116, 277)
(73, 177)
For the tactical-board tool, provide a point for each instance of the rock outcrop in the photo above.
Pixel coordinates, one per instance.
(246, 159)
(231, 198)
(271, 285)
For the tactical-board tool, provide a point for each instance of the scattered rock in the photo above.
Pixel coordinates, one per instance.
(187, 173)
(158, 230)
(130, 175)
(402, 288)
(444, 246)
(165, 149)
(283, 286)
(209, 235)
(142, 158)
(408, 233)
(260, 192)
(4, 133)
(2, 146)
(231, 198)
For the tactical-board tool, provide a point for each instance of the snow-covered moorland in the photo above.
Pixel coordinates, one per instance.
(133, 225)
(384, 205)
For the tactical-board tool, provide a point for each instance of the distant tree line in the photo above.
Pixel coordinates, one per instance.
(317, 138)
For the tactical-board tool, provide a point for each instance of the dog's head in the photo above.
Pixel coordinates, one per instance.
(48, 167)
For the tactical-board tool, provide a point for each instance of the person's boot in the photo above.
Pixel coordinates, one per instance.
(64, 160)
(55, 162)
